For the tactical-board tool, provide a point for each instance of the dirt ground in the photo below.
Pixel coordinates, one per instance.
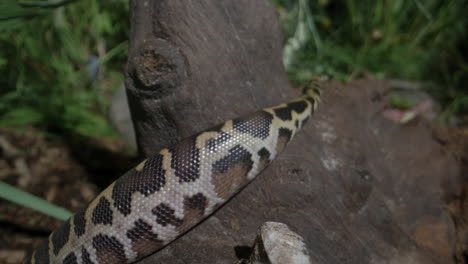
(53, 171)
(456, 141)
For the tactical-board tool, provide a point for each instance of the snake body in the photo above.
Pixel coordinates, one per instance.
(167, 194)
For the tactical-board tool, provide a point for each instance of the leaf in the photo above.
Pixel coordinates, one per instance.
(11, 12)
(21, 116)
(25, 199)
(396, 101)
(3, 61)
(14, 13)
(85, 122)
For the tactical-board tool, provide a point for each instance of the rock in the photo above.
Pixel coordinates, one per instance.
(277, 244)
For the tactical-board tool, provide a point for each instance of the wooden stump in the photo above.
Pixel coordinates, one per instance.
(357, 187)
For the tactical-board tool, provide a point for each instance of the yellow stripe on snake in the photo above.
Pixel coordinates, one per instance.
(167, 194)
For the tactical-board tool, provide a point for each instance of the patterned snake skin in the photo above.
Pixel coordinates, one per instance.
(167, 194)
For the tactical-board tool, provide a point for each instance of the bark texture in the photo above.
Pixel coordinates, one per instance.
(356, 187)
(192, 64)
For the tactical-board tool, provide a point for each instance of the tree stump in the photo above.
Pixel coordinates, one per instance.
(356, 187)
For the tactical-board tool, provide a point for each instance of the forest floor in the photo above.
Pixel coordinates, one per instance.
(53, 171)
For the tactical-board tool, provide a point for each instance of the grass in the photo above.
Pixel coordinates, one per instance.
(46, 53)
(58, 63)
(411, 40)
(25, 199)
(48, 60)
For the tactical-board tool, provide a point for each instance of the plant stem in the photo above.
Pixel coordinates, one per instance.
(25, 199)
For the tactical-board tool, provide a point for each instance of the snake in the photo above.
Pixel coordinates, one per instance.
(170, 192)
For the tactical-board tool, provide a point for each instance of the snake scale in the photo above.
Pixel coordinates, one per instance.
(170, 192)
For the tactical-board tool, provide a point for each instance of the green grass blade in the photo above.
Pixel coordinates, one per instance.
(25, 199)
(46, 4)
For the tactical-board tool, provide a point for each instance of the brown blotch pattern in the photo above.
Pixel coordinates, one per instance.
(165, 215)
(284, 136)
(194, 210)
(70, 259)
(264, 160)
(298, 106)
(102, 214)
(196, 202)
(285, 113)
(229, 173)
(79, 222)
(186, 160)
(147, 181)
(144, 241)
(60, 237)
(108, 250)
(85, 257)
(311, 100)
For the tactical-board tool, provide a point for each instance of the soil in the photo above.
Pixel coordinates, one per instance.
(456, 142)
(57, 175)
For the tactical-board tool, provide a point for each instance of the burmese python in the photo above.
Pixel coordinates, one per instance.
(167, 194)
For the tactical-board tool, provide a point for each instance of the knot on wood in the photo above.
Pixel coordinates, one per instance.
(158, 69)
